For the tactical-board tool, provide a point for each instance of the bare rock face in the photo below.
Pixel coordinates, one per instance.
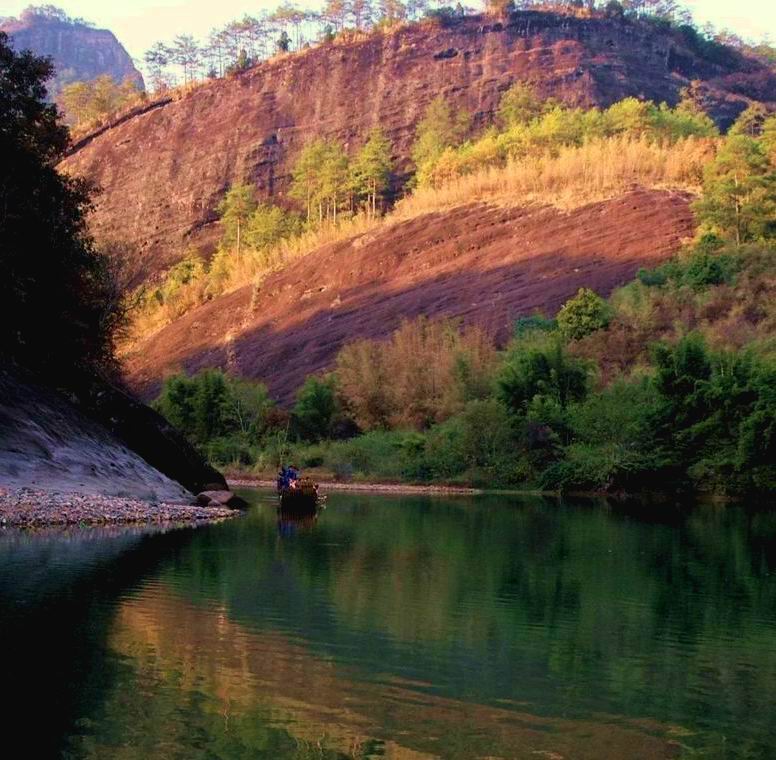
(164, 169)
(79, 51)
(100, 441)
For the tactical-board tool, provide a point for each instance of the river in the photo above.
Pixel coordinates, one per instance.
(398, 627)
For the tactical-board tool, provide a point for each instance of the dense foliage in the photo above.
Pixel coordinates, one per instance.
(59, 302)
(674, 390)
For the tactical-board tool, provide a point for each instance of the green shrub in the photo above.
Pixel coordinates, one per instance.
(583, 314)
(212, 404)
(704, 267)
(540, 367)
(593, 467)
(538, 322)
(315, 408)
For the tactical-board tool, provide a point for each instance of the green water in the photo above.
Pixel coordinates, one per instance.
(399, 627)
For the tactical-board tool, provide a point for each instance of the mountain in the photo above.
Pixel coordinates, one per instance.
(164, 167)
(79, 51)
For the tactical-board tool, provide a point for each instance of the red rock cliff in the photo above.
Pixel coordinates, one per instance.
(163, 171)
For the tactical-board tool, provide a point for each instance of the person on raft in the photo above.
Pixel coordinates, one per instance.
(287, 477)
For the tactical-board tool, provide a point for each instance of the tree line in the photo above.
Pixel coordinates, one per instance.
(326, 182)
(243, 42)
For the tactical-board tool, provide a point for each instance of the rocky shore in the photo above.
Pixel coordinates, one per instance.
(28, 508)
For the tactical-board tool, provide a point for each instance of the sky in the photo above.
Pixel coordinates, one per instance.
(140, 23)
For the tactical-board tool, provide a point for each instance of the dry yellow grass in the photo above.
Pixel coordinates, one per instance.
(571, 176)
(229, 272)
(568, 178)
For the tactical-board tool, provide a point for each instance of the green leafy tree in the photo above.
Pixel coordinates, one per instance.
(333, 181)
(268, 225)
(370, 171)
(156, 59)
(209, 403)
(235, 210)
(247, 407)
(186, 53)
(320, 179)
(739, 191)
(768, 138)
(715, 427)
(304, 175)
(315, 408)
(85, 102)
(540, 368)
(583, 314)
(751, 121)
(176, 402)
(335, 13)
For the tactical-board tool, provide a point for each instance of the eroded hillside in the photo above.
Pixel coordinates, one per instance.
(487, 265)
(164, 170)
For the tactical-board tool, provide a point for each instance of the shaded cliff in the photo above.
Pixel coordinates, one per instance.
(79, 51)
(164, 170)
(484, 264)
(101, 443)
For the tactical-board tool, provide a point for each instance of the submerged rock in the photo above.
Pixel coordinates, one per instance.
(220, 499)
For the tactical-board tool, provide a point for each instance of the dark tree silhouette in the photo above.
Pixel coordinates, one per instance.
(59, 302)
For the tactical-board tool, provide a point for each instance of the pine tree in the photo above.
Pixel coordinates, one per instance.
(335, 12)
(235, 210)
(439, 128)
(186, 53)
(370, 171)
(739, 190)
(156, 59)
(321, 179)
(751, 121)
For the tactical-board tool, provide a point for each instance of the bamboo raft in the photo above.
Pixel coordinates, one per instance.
(302, 497)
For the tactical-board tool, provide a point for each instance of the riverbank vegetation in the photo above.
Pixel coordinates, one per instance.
(667, 385)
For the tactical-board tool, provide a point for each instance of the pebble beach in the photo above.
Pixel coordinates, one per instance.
(29, 508)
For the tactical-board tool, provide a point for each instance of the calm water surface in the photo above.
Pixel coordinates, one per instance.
(398, 627)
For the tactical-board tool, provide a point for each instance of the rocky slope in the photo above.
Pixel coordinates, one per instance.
(80, 52)
(98, 442)
(164, 170)
(484, 264)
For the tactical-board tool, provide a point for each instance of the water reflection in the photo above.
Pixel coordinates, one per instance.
(406, 627)
(293, 521)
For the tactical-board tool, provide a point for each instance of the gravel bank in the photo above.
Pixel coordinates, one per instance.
(397, 488)
(30, 508)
